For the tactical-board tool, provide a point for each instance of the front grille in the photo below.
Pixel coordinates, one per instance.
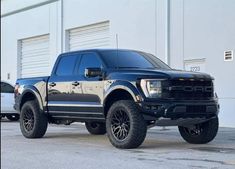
(190, 89)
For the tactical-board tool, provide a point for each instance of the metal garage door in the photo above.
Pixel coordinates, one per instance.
(87, 37)
(34, 56)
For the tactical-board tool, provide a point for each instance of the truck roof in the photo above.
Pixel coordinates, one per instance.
(97, 50)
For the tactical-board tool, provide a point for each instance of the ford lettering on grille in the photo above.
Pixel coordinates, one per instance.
(197, 89)
(190, 90)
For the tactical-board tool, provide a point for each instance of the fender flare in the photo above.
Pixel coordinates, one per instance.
(124, 85)
(33, 90)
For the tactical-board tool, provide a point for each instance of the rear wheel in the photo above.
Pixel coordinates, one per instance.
(13, 117)
(125, 125)
(200, 133)
(96, 128)
(33, 122)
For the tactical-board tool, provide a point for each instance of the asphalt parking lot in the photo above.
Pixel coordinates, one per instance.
(73, 147)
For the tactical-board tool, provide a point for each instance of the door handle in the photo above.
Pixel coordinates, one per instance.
(52, 84)
(75, 83)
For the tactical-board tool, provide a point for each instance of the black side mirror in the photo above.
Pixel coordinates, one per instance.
(93, 72)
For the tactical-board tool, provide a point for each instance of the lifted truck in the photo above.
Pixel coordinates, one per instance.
(121, 92)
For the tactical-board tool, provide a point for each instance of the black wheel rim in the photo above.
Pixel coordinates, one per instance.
(195, 131)
(120, 125)
(28, 120)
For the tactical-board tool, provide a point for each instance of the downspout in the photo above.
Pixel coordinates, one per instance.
(167, 33)
(62, 25)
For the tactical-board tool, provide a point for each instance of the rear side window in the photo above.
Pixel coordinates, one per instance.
(66, 65)
(89, 60)
(6, 88)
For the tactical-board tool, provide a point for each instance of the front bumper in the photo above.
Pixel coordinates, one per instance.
(179, 109)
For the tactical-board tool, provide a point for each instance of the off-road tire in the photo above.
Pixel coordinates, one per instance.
(14, 117)
(40, 121)
(96, 128)
(208, 132)
(137, 125)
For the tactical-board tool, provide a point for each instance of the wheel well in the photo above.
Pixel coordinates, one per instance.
(118, 94)
(27, 97)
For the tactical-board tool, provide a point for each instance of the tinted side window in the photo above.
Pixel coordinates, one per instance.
(66, 65)
(89, 60)
(6, 88)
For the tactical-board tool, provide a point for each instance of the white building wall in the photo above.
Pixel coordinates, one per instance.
(205, 29)
(192, 29)
(13, 6)
(133, 20)
(29, 23)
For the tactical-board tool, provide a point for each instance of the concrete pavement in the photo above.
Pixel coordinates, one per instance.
(72, 147)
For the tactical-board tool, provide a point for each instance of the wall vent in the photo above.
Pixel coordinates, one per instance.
(228, 55)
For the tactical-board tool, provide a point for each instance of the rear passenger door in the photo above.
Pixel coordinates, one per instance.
(60, 82)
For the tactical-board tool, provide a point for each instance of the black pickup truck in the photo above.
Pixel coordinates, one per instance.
(121, 92)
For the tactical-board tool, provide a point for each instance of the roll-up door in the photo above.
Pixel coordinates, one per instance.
(34, 57)
(88, 37)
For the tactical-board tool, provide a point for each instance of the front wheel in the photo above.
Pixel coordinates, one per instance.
(125, 125)
(96, 128)
(200, 133)
(33, 122)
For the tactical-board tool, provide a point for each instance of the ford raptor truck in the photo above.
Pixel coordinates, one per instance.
(121, 93)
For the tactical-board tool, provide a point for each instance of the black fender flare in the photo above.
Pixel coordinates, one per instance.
(32, 90)
(124, 85)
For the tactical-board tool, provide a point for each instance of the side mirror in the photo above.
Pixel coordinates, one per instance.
(93, 72)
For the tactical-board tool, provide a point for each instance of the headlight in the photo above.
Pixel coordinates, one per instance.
(152, 87)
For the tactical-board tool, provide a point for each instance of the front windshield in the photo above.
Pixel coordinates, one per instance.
(132, 59)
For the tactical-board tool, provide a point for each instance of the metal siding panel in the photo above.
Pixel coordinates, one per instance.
(34, 56)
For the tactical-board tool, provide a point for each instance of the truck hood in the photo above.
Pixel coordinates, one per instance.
(155, 73)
